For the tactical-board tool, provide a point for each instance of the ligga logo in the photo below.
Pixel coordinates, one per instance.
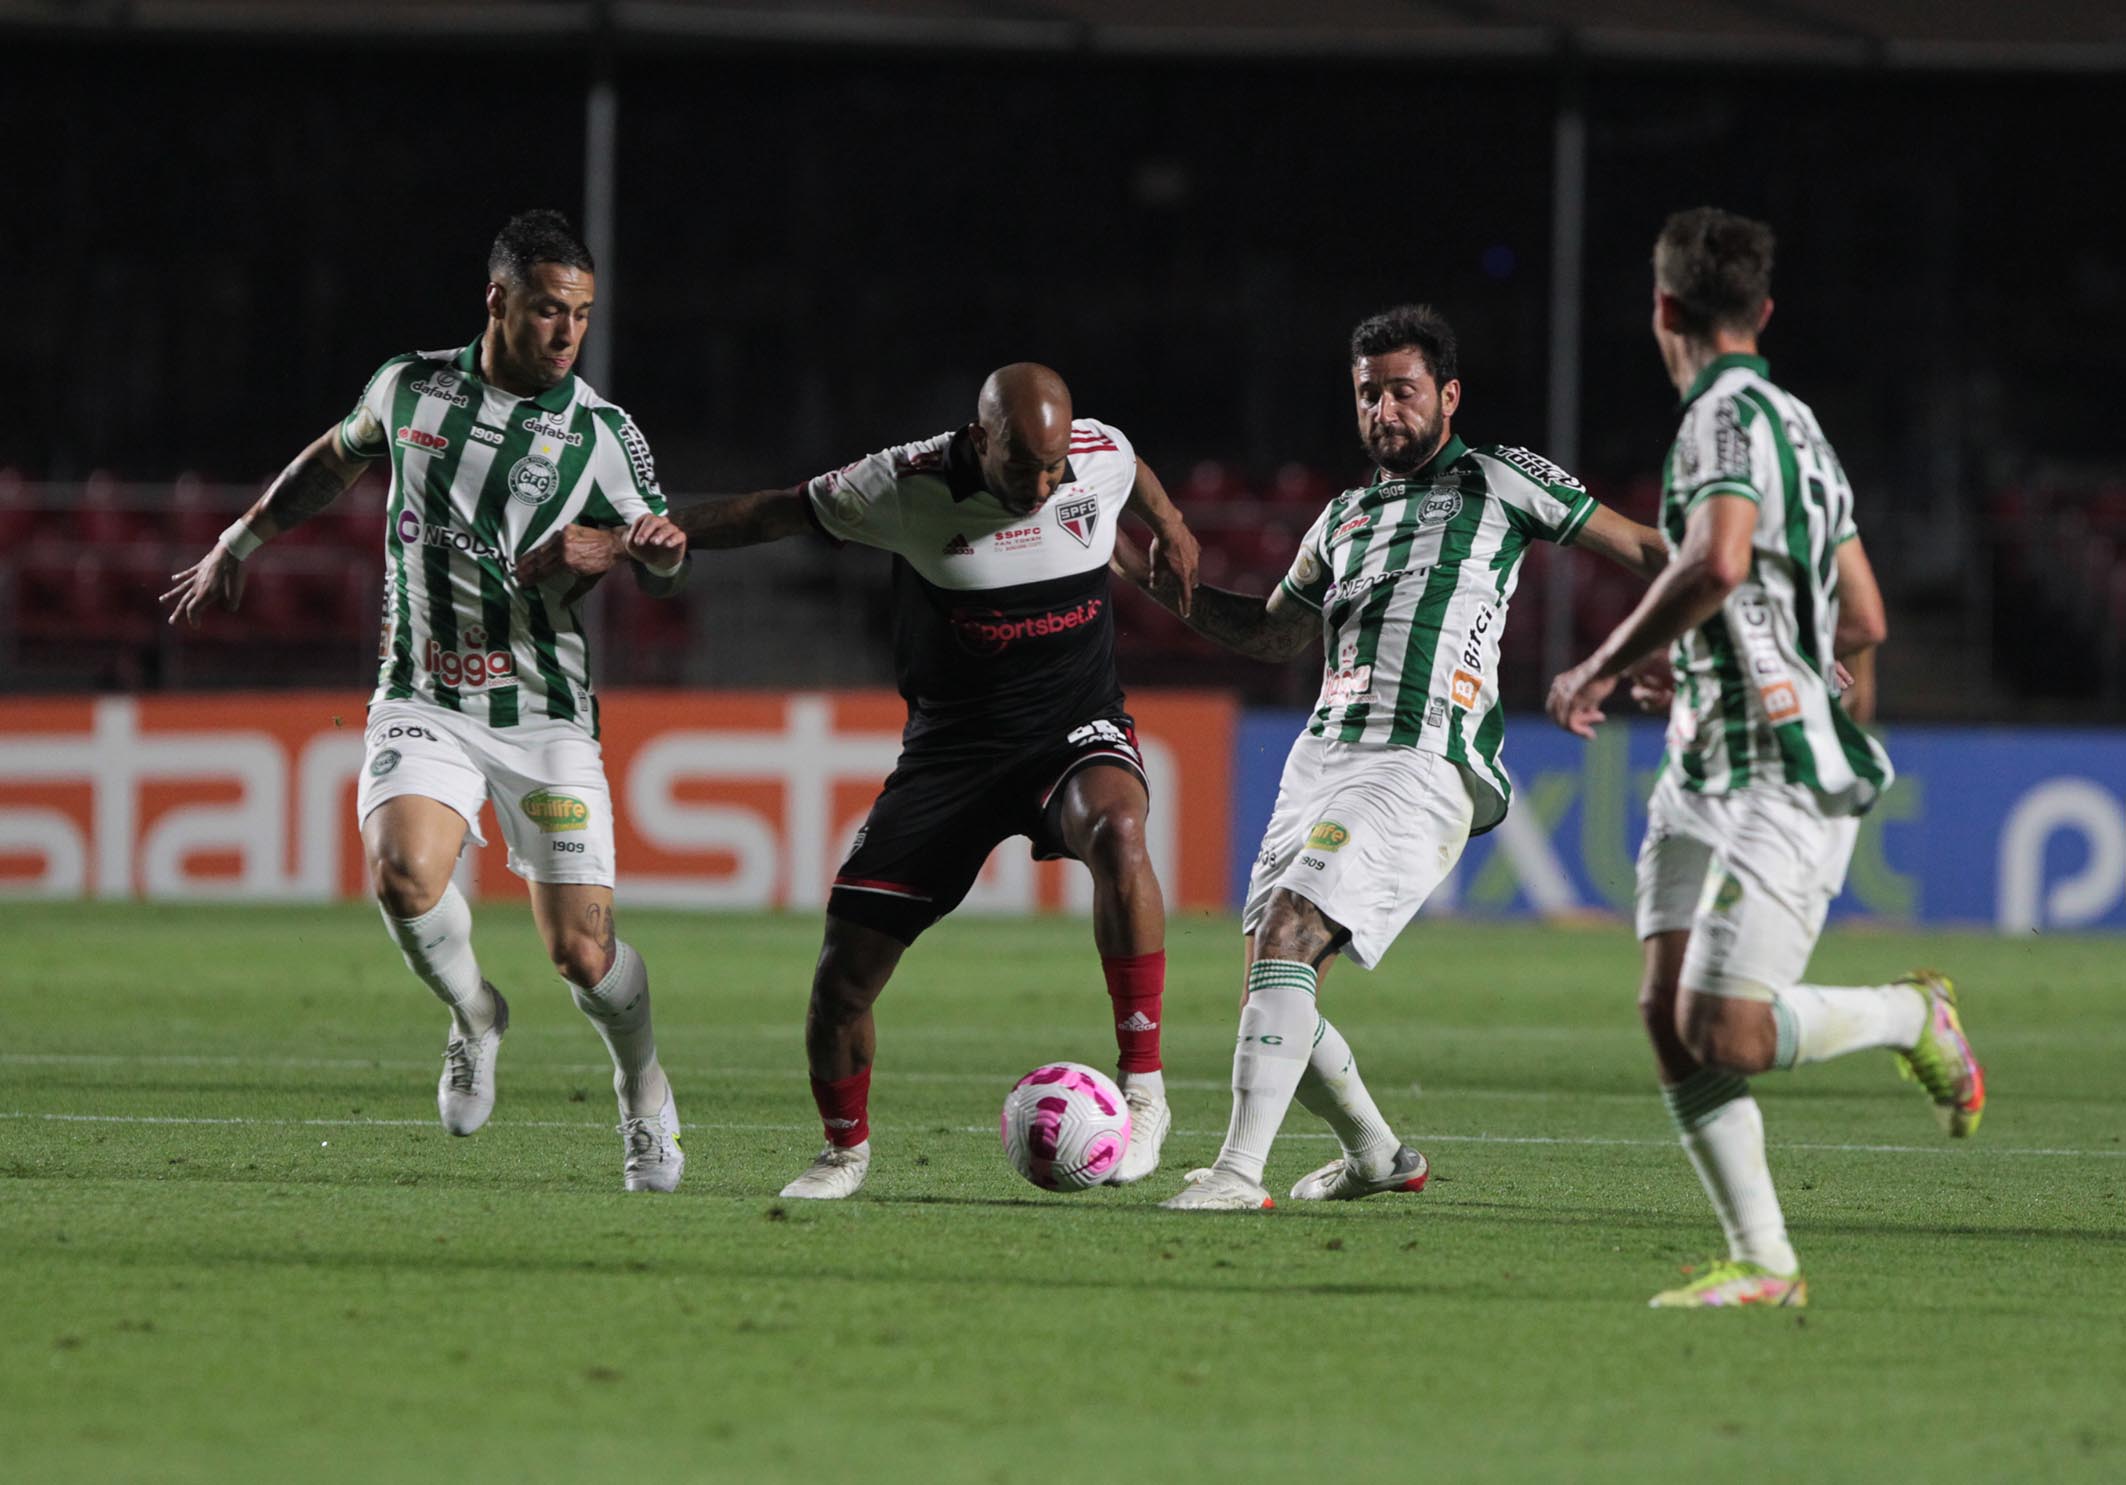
(553, 812)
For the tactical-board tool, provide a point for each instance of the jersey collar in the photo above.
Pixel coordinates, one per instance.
(1718, 364)
(1447, 453)
(963, 471)
(554, 399)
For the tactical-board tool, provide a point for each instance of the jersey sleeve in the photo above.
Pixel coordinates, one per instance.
(1539, 497)
(626, 488)
(1308, 578)
(363, 433)
(859, 502)
(1713, 454)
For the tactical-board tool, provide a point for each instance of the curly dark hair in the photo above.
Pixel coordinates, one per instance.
(535, 237)
(1417, 327)
(1718, 266)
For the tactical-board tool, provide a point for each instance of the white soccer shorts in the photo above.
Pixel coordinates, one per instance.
(1365, 832)
(546, 779)
(1751, 874)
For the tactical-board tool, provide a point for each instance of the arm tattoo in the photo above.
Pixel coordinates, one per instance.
(306, 487)
(743, 520)
(1243, 623)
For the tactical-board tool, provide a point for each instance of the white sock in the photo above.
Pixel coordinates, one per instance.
(438, 949)
(1331, 1088)
(1276, 1038)
(619, 1007)
(1818, 1022)
(1153, 1081)
(1723, 1133)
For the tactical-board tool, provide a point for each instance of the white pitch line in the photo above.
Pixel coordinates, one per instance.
(1438, 1139)
(708, 1071)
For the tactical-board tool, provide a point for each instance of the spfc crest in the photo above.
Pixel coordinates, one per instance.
(1079, 517)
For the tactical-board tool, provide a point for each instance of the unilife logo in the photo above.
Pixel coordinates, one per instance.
(987, 632)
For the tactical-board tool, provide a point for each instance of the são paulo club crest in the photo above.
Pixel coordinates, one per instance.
(534, 480)
(1079, 518)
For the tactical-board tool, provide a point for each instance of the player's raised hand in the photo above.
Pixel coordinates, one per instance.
(584, 551)
(1576, 699)
(656, 543)
(1653, 684)
(217, 577)
(1173, 559)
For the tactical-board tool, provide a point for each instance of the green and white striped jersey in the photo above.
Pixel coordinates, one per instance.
(1412, 577)
(1754, 702)
(478, 478)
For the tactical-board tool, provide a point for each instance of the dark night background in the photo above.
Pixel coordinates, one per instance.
(821, 249)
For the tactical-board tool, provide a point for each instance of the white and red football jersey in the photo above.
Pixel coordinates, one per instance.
(1003, 624)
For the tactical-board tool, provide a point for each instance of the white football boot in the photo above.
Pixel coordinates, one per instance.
(1214, 1190)
(652, 1159)
(465, 1094)
(836, 1173)
(1337, 1181)
(1149, 1120)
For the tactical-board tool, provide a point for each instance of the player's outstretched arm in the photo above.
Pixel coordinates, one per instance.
(1174, 554)
(745, 520)
(654, 543)
(1274, 628)
(320, 474)
(1635, 548)
(1713, 561)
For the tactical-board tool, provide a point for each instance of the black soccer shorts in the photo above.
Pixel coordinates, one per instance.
(940, 816)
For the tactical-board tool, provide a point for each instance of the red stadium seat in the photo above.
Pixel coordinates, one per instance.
(1302, 487)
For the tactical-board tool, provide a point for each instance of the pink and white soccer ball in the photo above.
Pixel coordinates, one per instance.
(1065, 1126)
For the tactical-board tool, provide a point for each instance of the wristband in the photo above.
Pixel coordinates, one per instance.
(665, 572)
(240, 539)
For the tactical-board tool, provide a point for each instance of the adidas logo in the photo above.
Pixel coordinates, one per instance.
(958, 547)
(1137, 1021)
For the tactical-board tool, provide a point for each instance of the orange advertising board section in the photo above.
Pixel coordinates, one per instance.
(725, 800)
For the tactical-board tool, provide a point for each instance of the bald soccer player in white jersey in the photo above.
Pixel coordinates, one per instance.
(483, 693)
(1766, 776)
(1405, 582)
(1004, 646)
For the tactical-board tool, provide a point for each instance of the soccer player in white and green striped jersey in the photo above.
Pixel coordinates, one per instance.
(1767, 773)
(484, 689)
(1405, 581)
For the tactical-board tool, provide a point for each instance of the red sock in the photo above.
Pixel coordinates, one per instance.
(845, 1108)
(1136, 983)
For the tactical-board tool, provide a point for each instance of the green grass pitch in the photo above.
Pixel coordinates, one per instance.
(235, 1246)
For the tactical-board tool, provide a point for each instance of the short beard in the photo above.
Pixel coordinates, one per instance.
(1410, 456)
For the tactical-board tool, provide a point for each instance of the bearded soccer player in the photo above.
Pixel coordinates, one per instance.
(1405, 582)
(1766, 775)
(483, 691)
(1004, 645)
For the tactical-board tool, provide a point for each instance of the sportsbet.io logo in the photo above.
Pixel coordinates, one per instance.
(1327, 836)
(534, 480)
(554, 812)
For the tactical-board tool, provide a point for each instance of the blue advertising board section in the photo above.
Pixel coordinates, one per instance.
(2019, 828)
